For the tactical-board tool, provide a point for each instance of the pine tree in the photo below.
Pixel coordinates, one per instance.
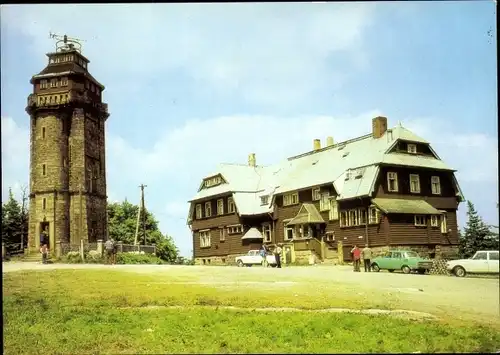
(476, 234)
(12, 223)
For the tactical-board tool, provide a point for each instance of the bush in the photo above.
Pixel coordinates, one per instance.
(133, 258)
(73, 257)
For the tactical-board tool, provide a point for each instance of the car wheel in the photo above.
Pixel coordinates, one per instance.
(375, 268)
(390, 270)
(406, 269)
(459, 271)
(240, 263)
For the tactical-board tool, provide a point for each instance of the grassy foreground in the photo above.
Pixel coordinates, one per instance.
(96, 311)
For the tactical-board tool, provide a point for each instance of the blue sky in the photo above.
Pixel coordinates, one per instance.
(193, 85)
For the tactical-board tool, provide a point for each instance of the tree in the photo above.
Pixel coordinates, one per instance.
(477, 235)
(14, 224)
(122, 220)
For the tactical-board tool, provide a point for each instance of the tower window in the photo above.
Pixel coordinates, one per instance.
(44, 169)
(43, 132)
(44, 203)
(43, 84)
(53, 83)
(64, 81)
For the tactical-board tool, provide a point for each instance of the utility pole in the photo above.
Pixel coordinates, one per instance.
(143, 212)
(141, 209)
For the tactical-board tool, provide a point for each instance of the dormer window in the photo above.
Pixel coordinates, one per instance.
(264, 200)
(216, 180)
(412, 148)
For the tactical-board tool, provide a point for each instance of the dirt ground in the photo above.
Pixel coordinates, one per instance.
(462, 298)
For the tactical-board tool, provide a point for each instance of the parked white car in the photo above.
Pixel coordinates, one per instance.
(253, 257)
(483, 262)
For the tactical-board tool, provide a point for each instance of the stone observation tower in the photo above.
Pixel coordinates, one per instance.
(67, 154)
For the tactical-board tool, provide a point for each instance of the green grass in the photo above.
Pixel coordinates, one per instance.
(84, 311)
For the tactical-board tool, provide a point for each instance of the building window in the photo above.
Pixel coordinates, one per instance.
(330, 236)
(420, 221)
(373, 215)
(43, 132)
(414, 183)
(305, 231)
(205, 241)
(220, 206)
(412, 148)
(316, 194)
(392, 182)
(289, 231)
(214, 181)
(343, 219)
(199, 214)
(53, 83)
(334, 210)
(64, 81)
(324, 202)
(236, 229)
(44, 84)
(291, 199)
(222, 234)
(208, 209)
(231, 207)
(362, 216)
(44, 169)
(435, 185)
(444, 226)
(434, 221)
(264, 200)
(266, 232)
(44, 204)
(353, 218)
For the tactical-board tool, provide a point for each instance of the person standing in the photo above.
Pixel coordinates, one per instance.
(263, 254)
(110, 251)
(44, 241)
(367, 257)
(356, 255)
(277, 255)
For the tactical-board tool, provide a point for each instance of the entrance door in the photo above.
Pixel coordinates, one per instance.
(45, 227)
(287, 254)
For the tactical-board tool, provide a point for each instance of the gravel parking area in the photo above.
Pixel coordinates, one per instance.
(467, 298)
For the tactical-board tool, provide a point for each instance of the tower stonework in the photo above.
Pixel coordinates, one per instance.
(67, 152)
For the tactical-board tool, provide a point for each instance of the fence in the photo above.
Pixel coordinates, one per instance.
(85, 247)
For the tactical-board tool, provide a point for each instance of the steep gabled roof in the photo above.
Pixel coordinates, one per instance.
(351, 166)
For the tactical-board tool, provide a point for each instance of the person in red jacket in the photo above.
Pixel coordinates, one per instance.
(356, 256)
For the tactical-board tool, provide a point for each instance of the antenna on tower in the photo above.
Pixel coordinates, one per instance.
(65, 43)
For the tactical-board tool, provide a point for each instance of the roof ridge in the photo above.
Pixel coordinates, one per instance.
(352, 140)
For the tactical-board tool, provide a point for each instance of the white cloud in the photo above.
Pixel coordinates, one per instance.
(266, 53)
(15, 157)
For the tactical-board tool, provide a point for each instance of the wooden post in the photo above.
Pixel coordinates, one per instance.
(82, 253)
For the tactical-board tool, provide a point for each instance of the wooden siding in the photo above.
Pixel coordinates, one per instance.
(233, 244)
(446, 200)
(402, 230)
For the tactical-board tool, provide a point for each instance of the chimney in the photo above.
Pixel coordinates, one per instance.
(329, 141)
(379, 126)
(251, 160)
(317, 144)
